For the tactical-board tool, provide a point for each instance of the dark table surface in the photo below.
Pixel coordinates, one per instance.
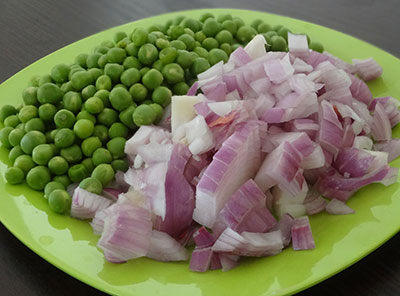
(31, 29)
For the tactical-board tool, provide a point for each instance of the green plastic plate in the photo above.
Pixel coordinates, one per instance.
(340, 240)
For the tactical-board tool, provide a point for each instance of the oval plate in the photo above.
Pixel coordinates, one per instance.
(340, 241)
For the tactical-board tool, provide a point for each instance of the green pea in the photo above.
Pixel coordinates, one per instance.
(118, 36)
(161, 43)
(278, 43)
(147, 54)
(88, 163)
(152, 79)
(81, 60)
(94, 105)
(245, 33)
(199, 65)
(35, 124)
(199, 36)
(158, 110)
(7, 110)
(64, 138)
(138, 92)
(75, 69)
(116, 55)
(162, 96)
(92, 60)
(101, 155)
(126, 116)
(27, 113)
(15, 136)
(38, 177)
(264, 28)
(72, 101)
(63, 179)
(211, 27)
(77, 173)
(226, 48)
(103, 82)
(151, 38)
(64, 118)
(12, 121)
(117, 130)
(130, 76)
(14, 153)
(116, 145)
(104, 96)
(177, 44)
(58, 165)
(223, 17)
(176, 31)
(139, 36)
(66, 87)
(144, 115)
(59, 201)
(210, 43)
(283, 32)
(49, 93)
(132, 62)
(144, 70)
(81, 79)
(34, 81)
(132, 49)
(101, 49)
(92, 185)
(89, 145)
(30, 140)
(173, 73)
(229, 25)
(107, 43)
(29, 96)
(88, 92)
(72, 154)
(206, 16)
(101, 132)
(45, 79)
(192, 24)
(95, 73)
(86, 115)
(47, 112)
(316, 46)
(224, 36)
(188, 40)
(14, 175)
(24, 162)
(185, 59)
(201, 52)
(42, 153)
(59, 73)
(120, 98)
(107, 117)
(217, 55)
(168, 55)
(84, 128)
(102, 61)
(51, 186)
(181, 88)
(147, 102)
(104, 173)
(158, 65)
(120, 85)
(120, 165)
(114, 71)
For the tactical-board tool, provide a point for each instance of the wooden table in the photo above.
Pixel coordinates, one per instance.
(31, 29)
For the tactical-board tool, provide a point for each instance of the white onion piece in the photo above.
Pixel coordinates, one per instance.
(337, 207)
(165, 248)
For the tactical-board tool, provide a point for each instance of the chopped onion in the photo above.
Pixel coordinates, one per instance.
(302, 238)
(337, 207)
(85, 204)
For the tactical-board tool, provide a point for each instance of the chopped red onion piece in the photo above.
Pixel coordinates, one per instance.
(337, 207)
(284, 225)
(298, 44)
(164, 248)
(201, 259)
(392, 147)
(256, 47)
(381, 129)
(367, 69)
(302, 238)
(85, 204)
(360, 90)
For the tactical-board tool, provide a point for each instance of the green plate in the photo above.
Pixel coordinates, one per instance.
(340, 240)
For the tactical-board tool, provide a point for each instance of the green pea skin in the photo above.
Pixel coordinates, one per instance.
(27, 113)
(34, 81)
(14, 153)
(51, 186)
(139, 36)
(147, 54)
(64, 138)
(81, 60)
(144, 115)
(120, 98)
(104, 173)
(101, 155)
(173, 73)
(181, 88)
(47, 112)
(45, 79)
(59, 201)
(278, 43)
(6, 111)
(211, 27)
(152, 79)
(120, 165)
(132, 49)
(199, 65)
(162, 96)
(15, 136)
(59, 73)
(230, 26)
(14, 175)
(103, 82)
(81, 79)
(24, 162)
(217, 55)
(177, 44)
(77, 173)
(92, 185)
(32, 139)
(58, 165)
(72, 154)
(245, 33)
(107, 117)
(29, 95)
(64, 118)
(104, 95)
(132, 62)
(63, 179)
(86, 115)
(41, 154)
(114, 71)
(66, 87)
(83, 128)
(168, 55)
(101, 132)
(88, 163)
(210, 43)
(117, 129)
(158, 110)
(138, 92)
(38, 177)
(125, 116)
(130, 77)
(12, 121)
(94, 105)
(95, 73)
(89, 145)
(116, 55)
(72, 101)
(188, 40)
(88, 92)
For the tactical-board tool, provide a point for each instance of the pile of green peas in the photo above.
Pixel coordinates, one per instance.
(74, 122)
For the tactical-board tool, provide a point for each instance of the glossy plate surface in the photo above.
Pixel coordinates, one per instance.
(340, 240)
